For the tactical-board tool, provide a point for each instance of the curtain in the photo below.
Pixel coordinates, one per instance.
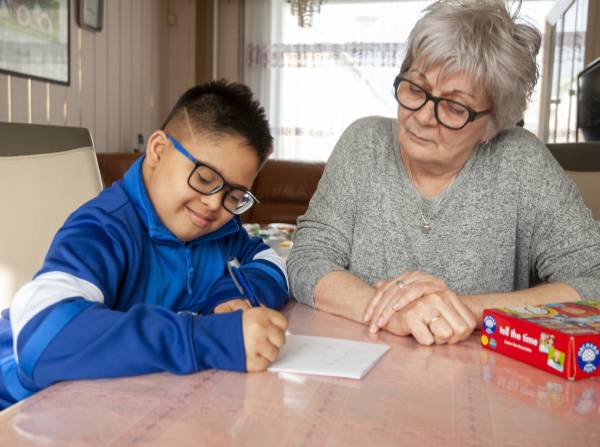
(316, 81)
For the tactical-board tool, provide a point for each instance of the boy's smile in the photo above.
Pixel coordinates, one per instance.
(166, 171)
(199, 219)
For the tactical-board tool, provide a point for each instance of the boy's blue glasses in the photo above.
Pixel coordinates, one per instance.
(206, 180)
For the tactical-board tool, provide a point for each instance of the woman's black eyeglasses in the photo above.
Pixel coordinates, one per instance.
(449, 113)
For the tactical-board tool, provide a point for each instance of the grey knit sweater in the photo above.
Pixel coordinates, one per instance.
(510, 219)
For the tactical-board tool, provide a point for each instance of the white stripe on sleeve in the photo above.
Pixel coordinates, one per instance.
(271, 256)
(44, 291)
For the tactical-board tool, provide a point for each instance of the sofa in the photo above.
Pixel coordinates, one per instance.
(113, 165)
(283, 187)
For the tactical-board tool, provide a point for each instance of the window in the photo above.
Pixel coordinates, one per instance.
(315, 81)
(568, 36)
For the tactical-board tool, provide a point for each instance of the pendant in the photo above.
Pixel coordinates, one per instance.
(425, 228)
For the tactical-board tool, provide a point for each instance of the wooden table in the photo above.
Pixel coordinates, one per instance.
(456, 395)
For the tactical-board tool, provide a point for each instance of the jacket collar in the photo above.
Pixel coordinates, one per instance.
(134, 186)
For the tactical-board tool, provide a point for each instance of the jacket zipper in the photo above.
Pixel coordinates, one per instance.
(189, 269)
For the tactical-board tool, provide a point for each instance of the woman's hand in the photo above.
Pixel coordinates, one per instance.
(438, 318)
(232, 306)
(396, 293)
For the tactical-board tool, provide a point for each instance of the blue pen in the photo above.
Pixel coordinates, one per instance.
(241, 281)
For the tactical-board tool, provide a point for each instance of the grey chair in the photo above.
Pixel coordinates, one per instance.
(582, 163)
(46, 172)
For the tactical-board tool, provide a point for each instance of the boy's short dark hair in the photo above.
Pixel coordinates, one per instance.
(221, 107)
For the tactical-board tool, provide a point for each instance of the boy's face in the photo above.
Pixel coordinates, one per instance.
(185, 212)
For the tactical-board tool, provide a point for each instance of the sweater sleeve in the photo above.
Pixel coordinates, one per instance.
(323, 240)
(565, 243)
(65, 325)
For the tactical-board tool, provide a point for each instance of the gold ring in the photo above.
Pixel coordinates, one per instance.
(434, 319)
(401, 284)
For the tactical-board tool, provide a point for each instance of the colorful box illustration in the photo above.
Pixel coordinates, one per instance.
(561, 338)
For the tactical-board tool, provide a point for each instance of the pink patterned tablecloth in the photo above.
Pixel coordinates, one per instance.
(455, 395)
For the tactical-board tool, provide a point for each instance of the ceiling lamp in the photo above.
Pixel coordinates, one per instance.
(305, 9)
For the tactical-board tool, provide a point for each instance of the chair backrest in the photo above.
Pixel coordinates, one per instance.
(582, 163)
(46, 172)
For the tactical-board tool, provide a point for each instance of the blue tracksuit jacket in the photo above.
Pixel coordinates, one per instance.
(118, 294)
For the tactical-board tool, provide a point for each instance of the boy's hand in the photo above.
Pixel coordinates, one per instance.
(264, 334)
(232, 306)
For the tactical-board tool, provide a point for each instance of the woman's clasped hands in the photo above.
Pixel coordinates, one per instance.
(421, 305)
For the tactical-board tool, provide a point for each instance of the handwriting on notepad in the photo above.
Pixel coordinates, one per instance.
(327, 356)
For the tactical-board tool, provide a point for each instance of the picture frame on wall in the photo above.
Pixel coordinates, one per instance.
(34, 39)
(91, 14)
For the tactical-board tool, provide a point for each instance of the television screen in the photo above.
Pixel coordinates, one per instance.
(588, 104)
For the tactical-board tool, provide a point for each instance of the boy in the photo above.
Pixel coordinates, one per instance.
(126, 276)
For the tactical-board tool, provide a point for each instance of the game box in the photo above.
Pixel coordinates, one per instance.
(561, 338)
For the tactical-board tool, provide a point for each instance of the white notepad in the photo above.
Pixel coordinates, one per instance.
(336, 357)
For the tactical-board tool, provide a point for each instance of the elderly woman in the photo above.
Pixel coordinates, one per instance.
(420, 223)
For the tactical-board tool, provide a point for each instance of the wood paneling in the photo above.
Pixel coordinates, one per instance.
(126, 136)
(39, 103)
(137, 74)
(72, 110)
(152, 109)
(19, 109)
(100, 86)
(57, 104)
(204, 40)
(4, 97)
(87, 56)
(123, 79)
(112, 13)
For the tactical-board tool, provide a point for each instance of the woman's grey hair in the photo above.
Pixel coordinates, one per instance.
(485, 39)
